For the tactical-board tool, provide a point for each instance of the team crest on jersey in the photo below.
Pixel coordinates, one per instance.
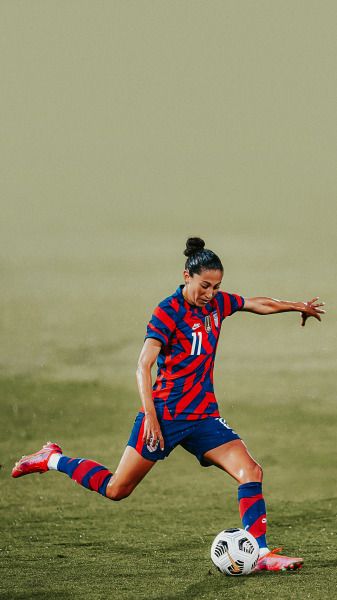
(215, 318)
(208, 325)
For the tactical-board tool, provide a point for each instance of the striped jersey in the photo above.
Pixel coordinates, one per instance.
(189, 335)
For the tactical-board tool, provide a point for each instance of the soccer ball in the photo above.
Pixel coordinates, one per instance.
(235, 552)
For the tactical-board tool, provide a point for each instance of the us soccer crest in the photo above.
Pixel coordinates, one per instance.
(208, 325)
(215, 318)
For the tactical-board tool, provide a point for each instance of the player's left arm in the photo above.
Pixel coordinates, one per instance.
(268, 306)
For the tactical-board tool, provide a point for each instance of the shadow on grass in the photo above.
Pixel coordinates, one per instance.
(220, 584)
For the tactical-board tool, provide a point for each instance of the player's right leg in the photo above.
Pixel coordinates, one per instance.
(90, 474)
(131, 470)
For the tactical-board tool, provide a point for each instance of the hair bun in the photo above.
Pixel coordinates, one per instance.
(194, 245)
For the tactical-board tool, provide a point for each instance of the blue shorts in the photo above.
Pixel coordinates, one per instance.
(197, 437)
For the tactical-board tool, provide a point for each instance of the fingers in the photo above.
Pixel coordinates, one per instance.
(313, 308)
(314, 304)
(315, 314)
(156, 440)
(153, 437)
(317, 307)
(313, 311)
(161, 442)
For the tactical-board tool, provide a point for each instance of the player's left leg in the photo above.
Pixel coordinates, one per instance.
(234, 458)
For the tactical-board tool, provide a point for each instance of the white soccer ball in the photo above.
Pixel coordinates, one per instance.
(235, 552)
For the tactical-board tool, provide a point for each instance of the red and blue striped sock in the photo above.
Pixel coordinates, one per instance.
(88, 473)
(253, 511)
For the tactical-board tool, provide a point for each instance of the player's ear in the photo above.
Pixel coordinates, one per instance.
(187, 276)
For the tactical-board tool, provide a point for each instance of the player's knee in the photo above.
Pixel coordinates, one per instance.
(257, 473)
(118, 492)
(252, 472)
(118, 495)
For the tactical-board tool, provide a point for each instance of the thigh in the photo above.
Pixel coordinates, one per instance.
(206, 435)
(131, 470)
(235, 459)
(132, 466)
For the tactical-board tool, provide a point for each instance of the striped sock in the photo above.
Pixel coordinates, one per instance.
(253, 511)
(88, 473)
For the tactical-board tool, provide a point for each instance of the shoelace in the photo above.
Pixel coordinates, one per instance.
(276, 550)
(273, 551)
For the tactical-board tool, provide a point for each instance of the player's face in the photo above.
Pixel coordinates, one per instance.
(200, 289)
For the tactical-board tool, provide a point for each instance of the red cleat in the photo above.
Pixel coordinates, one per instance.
(37, 462)
(272, 561)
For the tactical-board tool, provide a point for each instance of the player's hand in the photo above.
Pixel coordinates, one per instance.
(312, 309)
(152, 433)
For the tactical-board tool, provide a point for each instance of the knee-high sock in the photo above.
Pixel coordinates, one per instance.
(88, 473)
(253, 511)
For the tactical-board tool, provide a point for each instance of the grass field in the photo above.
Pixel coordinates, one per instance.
(125, 128)
(61, 541)
(69, 377)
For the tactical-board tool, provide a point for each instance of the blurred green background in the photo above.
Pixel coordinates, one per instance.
(127, 126)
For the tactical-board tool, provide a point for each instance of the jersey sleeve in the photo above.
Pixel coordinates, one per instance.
(229, 303)
(162, 323)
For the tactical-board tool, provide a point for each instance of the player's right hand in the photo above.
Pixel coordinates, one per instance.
(152, 433)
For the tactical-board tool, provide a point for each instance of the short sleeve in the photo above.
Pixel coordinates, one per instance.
(162, 323)
(229, 303)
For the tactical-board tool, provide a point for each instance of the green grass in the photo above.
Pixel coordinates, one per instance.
(72, 329)
(60, 541)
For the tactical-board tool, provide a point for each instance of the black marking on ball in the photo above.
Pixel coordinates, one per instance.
(221, 548)
(246, 545)
(231, 530)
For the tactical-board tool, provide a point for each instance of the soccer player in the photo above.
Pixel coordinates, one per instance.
(181, 408)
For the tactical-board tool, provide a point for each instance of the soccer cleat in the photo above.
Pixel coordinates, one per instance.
(37, 462)
(272, 561)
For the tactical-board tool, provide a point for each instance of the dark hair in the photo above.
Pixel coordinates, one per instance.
(199, 258)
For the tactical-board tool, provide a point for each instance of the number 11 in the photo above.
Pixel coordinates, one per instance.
(194, 343)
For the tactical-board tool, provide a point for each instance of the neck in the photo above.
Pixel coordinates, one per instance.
(185, 296)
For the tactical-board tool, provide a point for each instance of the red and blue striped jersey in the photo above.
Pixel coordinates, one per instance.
(184, 385)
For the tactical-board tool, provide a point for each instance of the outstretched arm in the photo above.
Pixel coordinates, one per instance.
(269, 306)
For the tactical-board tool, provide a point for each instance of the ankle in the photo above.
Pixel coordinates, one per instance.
(54, 461)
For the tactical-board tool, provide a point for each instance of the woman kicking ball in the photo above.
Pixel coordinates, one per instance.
(181, 408)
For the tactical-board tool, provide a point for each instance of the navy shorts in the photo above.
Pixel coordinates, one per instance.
(197, 437)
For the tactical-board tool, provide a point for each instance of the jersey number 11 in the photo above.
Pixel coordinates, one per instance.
(196, 335)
